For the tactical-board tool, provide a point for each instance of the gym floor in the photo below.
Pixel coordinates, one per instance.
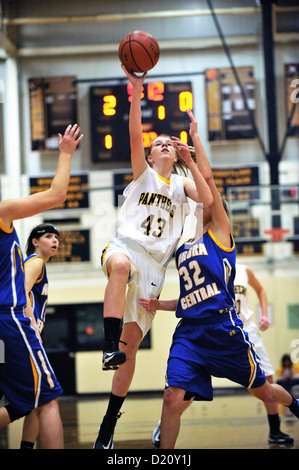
(233, 420)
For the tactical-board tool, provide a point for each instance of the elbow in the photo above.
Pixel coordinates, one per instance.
(210, 198)
(209, 201)
(60, 196)
(205, 199)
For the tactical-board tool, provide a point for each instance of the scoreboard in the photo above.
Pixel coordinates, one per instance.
(163, 109)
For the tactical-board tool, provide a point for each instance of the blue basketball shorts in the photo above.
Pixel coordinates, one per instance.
(26, 377)
(219, 348)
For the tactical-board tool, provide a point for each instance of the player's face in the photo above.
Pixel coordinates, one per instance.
(47, 244)
(162, 147)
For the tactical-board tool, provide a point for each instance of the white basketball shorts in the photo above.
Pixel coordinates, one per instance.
(145, 281)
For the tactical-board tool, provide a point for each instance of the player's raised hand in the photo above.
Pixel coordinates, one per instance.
(193, 123)
(182, 149)
(133, 78)
(70, 139)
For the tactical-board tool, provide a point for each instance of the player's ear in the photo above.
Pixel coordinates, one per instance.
(35, 242)
(149, 158)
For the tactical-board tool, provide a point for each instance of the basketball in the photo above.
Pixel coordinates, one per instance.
(139, 51)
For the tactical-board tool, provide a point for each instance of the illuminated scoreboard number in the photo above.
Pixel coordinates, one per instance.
(163, 108)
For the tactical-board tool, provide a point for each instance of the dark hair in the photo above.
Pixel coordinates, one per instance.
(180, 166)
(38, 232)
(286, 358)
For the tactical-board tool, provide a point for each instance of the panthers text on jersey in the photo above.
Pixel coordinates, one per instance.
(153, 214)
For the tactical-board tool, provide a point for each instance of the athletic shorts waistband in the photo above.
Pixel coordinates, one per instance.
(227, 314)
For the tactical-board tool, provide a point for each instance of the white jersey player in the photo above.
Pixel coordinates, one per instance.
(244, 278)
(150, 224)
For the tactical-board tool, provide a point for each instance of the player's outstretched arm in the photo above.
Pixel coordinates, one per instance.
(138, 160)
(13, 209)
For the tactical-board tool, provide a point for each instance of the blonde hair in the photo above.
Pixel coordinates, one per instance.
(180, 166)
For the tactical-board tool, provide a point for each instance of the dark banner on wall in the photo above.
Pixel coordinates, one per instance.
(74, 246)
(228, 118)
(53, 106)
(291, 78)
(77, 195)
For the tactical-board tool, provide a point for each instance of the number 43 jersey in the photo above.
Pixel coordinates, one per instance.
(207, 271)
(153, 214)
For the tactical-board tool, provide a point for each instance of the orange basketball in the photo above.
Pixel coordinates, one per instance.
(139, 51)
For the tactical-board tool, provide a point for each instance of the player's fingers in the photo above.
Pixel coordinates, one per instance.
(67, 130)
(79, 139)
(73, 129)
(76, 131)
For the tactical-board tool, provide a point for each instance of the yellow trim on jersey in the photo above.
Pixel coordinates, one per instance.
(18, 250)
(4, 228)
(35, 375)
(104, 253)
(224, 248)
(252, 365)
(164, 179)
(43, 268)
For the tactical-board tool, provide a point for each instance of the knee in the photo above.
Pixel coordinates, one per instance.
(51, 406)
(173, 397)
(265, 393)
(121, 268)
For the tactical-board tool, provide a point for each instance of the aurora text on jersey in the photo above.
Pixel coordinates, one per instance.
(207, 271)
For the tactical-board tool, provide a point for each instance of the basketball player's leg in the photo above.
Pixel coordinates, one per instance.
(131, 337)
(274, 393)
(118, 270)
(30, 430)
(4, 417)
(275, 433)
(173, 406)
(50, 426)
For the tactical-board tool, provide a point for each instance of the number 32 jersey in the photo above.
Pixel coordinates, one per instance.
(207, 271)
(153, 214)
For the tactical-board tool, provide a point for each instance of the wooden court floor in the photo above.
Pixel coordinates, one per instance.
(233, 420)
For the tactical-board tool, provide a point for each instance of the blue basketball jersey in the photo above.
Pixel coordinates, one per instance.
(39, 294)
(207, 272)
(12, 278)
